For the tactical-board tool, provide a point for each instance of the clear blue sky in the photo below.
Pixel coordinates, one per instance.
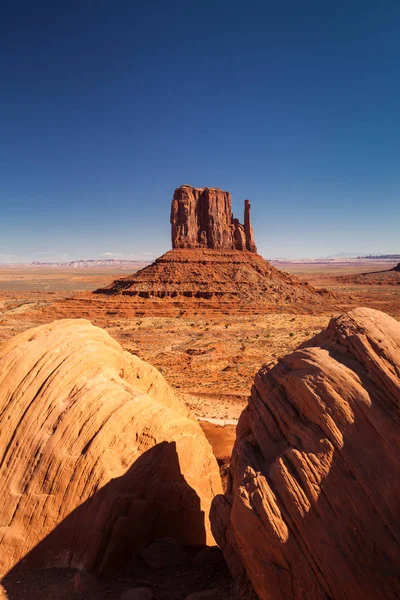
(108, 105)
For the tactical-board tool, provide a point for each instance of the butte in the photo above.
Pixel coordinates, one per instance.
(213, 264)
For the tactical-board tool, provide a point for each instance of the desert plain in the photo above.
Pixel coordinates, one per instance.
(208, 357)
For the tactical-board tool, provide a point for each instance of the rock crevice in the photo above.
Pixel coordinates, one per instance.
(312, 507)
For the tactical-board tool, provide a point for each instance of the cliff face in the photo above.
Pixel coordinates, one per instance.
(202, 218)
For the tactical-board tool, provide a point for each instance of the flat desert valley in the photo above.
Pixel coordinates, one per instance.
(209, 358)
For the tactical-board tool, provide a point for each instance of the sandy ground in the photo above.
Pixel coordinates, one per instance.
(209, 360)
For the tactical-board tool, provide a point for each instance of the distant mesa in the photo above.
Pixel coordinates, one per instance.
(111, 263)
(214, 259)
(387, 277)
(381, 256)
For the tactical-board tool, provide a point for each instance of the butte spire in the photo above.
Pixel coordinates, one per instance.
(213, 264)
(202, 218)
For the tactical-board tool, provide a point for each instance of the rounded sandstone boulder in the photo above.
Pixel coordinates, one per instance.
(313, 505)
(98, 456)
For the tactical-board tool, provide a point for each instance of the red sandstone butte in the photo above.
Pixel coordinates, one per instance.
(202, 218)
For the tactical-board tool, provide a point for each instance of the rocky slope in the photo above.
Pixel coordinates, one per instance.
(85, 428)
(312, 507)
(203, 274)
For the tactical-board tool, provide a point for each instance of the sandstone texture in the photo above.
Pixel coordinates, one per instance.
(98, 457)
(313, 505)
(201, 274)
(202, 218)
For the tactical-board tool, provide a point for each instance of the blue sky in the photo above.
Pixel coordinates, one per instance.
(108, 105)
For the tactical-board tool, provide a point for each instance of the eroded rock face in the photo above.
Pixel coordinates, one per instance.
(202, 218)
(243, 279)
(98, 456)
(312, 509)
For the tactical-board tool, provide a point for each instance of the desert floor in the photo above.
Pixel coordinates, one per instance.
(210, 360)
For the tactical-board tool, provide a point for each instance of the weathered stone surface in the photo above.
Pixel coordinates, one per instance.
(220, 275)
(202, 218)
(140, 593)
(210, 556)
(312, 507)
(88, 586)
(165, 552)
(211, 594)
(98, 456)
(239, 236)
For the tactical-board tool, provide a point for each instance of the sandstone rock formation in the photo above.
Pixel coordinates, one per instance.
(396, 268)
(213, 265)
(98, 456)
(202, 218)
(312, 509)
(229, 276)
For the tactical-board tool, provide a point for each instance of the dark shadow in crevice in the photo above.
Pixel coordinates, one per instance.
(104, 534)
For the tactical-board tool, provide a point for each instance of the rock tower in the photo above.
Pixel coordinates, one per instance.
(202, 218)
(213, 265)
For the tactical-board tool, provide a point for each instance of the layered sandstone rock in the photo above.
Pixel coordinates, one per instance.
(313, 505)
(213, 265)
(97, 454)
(202, 218)
(202, 274)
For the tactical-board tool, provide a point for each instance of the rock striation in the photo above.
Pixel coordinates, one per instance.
(312, 507)
(202, 218)
(202, 274)
(85, 428)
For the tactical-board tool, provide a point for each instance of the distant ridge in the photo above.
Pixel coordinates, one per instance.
(87, 264)
(382, 256)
